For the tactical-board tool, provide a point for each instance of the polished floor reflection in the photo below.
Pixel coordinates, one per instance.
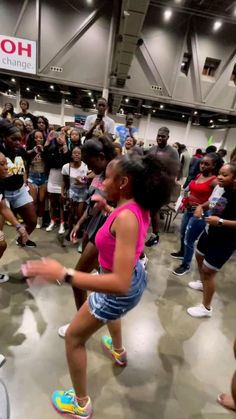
(177, 364)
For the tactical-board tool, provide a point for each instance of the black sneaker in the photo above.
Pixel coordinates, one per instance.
(29, 243)
(181, 270)
(177, 255)
(153, 240)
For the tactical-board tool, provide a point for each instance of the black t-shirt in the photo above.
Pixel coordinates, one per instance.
(225, 207)
(25, 116)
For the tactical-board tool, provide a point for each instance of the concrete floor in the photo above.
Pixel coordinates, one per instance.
(177, 365)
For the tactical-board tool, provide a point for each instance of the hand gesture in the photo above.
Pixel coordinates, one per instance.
(73, 234)
(212, 220)
(24, 235)
(48, 269)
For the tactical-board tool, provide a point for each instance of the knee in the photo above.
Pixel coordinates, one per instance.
(73, 339)
(207, 272)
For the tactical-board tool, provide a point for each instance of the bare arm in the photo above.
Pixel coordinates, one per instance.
(118, 282)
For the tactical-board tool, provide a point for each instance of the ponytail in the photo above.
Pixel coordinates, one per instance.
(153, 179)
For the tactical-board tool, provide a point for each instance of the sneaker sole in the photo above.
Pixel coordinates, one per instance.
(121, 364)
(196, 289)
(70, 415)
(177, 257)
(175, 273)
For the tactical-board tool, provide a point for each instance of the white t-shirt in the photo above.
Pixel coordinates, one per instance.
(81, 172)
(108, 122)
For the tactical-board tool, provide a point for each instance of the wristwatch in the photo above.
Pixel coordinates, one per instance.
(220, 222)
(68, 276)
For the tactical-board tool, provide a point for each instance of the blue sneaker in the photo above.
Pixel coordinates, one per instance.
(120, 358)
(65, 403)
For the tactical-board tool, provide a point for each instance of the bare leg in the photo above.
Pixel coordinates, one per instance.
(115, 331)
(88, 261)
(199, 259)
(41, 200)
(28, 214)
(82, 327)
(80, 209)
(208, 276)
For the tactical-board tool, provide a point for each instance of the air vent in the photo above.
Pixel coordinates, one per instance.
(156, 87)
(56, 69)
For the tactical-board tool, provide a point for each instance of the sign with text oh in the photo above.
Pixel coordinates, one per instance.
(17, 54)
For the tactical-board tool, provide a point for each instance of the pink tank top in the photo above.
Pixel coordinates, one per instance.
(106, 242)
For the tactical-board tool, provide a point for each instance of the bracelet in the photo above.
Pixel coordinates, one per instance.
(68, 276)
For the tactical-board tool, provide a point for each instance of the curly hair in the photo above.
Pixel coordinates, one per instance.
(152, 179)
(99, 145)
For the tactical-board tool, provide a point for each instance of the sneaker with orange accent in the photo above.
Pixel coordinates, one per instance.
(120, 358)
(66, 404)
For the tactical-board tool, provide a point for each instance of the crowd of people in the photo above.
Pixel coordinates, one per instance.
(103, 189)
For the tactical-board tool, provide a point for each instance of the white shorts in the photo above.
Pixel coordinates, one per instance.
(54, 181)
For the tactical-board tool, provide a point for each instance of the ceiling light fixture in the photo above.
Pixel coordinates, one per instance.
(195, 112)
(28, 89)
(38, 95)
(13, 80)
(89, 93)
(167, 15)
(161, 106)
(211, 121)
(127, 100)
(92, 100)
(183, 116)
(217, 25)
(51, 87)
(9, 90)
(154, 110)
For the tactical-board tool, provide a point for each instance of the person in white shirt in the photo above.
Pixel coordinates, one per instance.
(100, 124)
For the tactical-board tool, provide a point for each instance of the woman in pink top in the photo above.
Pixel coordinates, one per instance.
(138, 185)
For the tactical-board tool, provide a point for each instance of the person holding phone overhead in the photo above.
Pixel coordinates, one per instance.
(100, 124)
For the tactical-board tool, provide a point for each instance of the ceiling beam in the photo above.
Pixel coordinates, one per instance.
(192, 42)
(85, 25)
(25, 4)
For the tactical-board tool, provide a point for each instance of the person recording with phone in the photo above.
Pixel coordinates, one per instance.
(100, 124)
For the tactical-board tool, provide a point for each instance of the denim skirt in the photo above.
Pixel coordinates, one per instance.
(108, 307)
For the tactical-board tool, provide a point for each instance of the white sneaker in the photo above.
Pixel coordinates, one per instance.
(196, 285)
(62, 330)
(2, 359)
(199, 311)
(144, 261)
(61, 229)
(3, 278)
(51, 226)
(39, 222)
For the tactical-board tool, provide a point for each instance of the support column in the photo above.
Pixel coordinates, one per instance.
(109, 57)
(146, 129)
(62, 111)
(187, 131)
(225, 138)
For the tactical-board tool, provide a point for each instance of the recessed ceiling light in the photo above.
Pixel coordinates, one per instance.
(167, 15)
(161, 106)
(178, 1)
(94, 105)
(92, 100)
(146, 106)
(183, 116)
(223, 119)
(182, 64)
(89, 2)
(38, 96)
(89, 93)
(28, 89)
(66, 100)
(51, 87)
(211, 121)
(154, 110)
(9, 90)
(195, 112)
(13, 80)
(217, 25)
(126, 99)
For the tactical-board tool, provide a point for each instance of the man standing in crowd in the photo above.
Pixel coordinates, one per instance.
(127, 130)
(100, 124)
(161, 148)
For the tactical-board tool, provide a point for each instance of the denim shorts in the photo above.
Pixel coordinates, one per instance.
(78, 195)
(109, 307)
(216, 253)
(38, 179)
(19, 197)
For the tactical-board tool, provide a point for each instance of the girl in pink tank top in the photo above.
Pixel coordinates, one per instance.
(138, 185)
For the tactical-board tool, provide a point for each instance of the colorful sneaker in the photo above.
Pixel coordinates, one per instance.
(120, 358)
(65, 403)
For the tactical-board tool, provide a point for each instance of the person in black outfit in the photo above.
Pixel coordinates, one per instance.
(16, 191)
(25, 114)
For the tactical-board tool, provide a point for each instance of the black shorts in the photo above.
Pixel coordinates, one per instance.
(215, 252)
